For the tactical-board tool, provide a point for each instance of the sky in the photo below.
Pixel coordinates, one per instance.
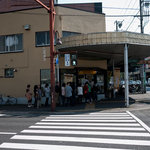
(125, 11)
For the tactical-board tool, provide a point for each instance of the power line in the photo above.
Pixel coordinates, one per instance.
(128, 6)
(131, 19)
(131, 22)
(122, 8)
(96, 15)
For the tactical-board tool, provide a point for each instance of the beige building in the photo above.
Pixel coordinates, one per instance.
(24, 44)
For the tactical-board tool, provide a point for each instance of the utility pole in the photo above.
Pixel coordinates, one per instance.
(51, 11)
(142, 68)
(52, 55)
(141, 16)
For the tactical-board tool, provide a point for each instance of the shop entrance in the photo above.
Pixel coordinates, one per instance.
(94, 76)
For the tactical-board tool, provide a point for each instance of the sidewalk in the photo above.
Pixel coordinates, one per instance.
(137, 102)
(141, 97)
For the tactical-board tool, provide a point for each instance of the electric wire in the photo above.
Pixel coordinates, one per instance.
(125, 15)
(131, 22)
(46, 14)
(131, 19)
(127, 6)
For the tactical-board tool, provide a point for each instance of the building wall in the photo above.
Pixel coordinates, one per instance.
(80, 21)
(29, 62)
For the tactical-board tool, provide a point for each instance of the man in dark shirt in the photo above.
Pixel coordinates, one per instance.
(57, 92)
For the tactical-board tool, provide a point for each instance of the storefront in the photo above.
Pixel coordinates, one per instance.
(94, 76)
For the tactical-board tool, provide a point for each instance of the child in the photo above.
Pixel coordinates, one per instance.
(29, 97)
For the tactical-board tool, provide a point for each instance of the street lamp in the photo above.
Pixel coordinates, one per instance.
(118, 24)
(58, 40)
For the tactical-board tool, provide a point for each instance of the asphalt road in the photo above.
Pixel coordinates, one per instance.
(105, 129)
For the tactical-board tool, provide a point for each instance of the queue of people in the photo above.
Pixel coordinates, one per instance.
(65, 95)
(81, 94)
(38, 93)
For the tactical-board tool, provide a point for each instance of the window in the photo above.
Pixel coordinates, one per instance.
(45, 76)
(67, 33)
(9, 73)
(43, 39)
(11, 43)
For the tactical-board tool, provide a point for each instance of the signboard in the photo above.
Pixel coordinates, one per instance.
(87, 72)
(116, 78)
(67, 60)
(68, 78)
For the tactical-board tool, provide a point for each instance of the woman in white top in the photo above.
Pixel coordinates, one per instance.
(63, 94)
(80, 93)
(47, 94)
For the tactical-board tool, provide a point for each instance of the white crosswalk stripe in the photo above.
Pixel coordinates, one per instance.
(2, 115)
(91, 117)
(93, 131)
(89, 124)
(2, 133)
(89, 128)
(85, 140)
(52, 147)
(80, 120)
(87, 133)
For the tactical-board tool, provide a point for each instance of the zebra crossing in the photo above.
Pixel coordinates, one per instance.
(1, 115)
(92, 131)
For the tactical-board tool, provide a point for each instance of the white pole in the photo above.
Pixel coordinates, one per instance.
(126, 75)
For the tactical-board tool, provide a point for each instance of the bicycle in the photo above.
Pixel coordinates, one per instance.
(11, 100)
(1, 99)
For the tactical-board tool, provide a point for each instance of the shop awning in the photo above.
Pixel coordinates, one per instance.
(108, 45)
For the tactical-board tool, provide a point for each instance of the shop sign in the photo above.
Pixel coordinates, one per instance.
(68, 78)
(67, 60)
(87, 72)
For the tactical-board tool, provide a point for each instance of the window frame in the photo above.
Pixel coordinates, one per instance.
(46, 39)
(9, 47)
(69, 33)
(12, 72)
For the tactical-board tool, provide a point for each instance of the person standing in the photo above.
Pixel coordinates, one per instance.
(94, 93)
(28, 87)
(57, 92)
(47, 94)
(68, 92)
(28, 95)
(89, 93)
(86, 90)
(39, 96)
(63, 94)
(35, 95)
(80, 93)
